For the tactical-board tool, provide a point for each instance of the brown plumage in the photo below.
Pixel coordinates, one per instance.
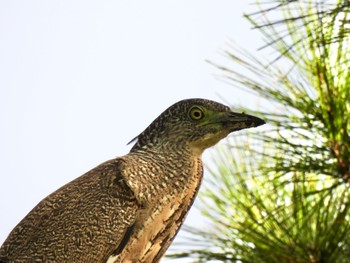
(128, 209)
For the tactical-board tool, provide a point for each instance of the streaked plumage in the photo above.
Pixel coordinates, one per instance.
(128, 209)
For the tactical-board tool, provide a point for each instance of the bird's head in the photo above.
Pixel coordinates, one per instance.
(194, 124)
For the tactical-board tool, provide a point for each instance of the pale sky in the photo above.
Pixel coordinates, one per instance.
(80, 79)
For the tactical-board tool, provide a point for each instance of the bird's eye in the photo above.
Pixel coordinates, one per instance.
(196, 113)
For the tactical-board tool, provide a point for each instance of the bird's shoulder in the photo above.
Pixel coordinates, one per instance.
(105, 180)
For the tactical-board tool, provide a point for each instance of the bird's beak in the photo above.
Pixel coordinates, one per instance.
(234, 121)
(222, 124)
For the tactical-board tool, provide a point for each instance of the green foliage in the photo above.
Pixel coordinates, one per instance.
(282, 195)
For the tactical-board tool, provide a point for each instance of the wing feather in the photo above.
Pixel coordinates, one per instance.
(88, 219)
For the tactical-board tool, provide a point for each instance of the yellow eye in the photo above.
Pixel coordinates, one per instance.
(196, 113)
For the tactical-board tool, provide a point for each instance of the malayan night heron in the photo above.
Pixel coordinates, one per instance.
(128, 209)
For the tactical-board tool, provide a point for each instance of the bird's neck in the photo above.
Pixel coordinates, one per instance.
(165, 184)
(163, 172)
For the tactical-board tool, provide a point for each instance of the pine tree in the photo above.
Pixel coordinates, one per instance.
(282, 194)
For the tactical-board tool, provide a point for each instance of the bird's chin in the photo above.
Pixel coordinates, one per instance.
(209, 140)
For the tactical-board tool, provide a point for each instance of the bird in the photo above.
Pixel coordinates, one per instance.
(130, 208)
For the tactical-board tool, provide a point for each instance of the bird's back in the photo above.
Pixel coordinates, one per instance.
(83, 221)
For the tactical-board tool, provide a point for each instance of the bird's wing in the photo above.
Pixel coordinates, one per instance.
(86, 220)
